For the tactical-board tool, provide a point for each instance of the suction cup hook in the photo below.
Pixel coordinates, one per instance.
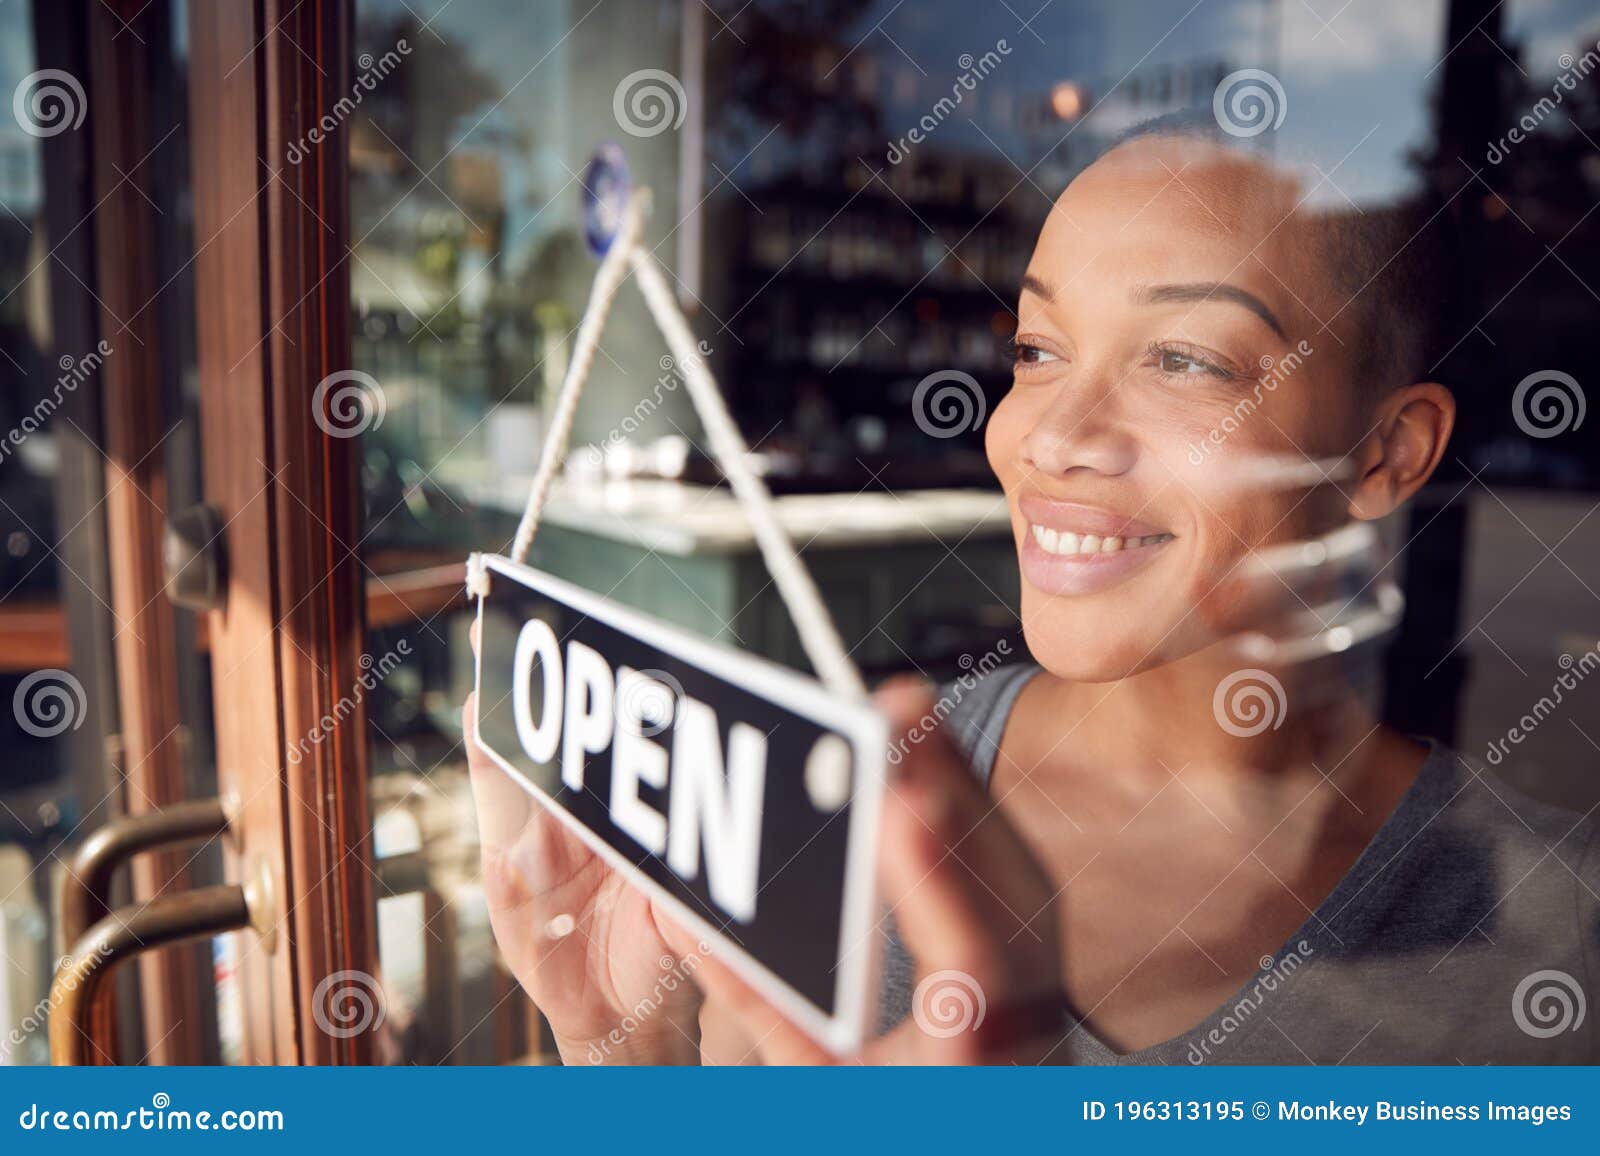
(606, 187)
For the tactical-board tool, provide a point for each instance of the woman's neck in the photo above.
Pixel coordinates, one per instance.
(1213, 713)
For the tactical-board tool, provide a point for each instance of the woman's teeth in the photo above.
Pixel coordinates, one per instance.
(1065, 542)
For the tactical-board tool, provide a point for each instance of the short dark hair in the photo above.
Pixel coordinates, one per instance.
(1386, 261)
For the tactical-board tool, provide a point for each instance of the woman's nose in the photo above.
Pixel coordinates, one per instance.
(1082, 429)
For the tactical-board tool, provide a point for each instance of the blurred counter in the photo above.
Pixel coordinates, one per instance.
(680, 518)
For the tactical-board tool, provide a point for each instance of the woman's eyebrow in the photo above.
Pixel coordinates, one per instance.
(1208, 291)
(1038, 286)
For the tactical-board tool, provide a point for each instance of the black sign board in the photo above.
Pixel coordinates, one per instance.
(742, 794)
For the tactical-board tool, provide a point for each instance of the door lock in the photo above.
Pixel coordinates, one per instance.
(194, 556)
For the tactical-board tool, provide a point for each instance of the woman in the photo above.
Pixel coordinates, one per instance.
(1109, 858)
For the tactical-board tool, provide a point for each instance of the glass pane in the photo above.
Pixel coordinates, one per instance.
(846, 196)
(64, 765)
(469, 273)
(36, 659)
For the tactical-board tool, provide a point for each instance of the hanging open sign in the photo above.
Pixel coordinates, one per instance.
(740, 793)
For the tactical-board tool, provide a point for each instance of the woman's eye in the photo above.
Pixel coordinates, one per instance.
(1176, 363)
(1026, 354)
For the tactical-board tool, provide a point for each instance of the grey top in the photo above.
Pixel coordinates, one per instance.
(1467, 931)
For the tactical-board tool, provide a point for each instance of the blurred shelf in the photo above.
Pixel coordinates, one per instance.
(36, 633)
(409, 595)
(36, 637)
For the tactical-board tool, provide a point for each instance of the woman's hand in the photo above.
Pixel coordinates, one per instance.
(974, 909)
(586, 946)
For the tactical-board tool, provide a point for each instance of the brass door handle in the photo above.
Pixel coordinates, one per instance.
(87, 895)
(125, 933)
(102, 938)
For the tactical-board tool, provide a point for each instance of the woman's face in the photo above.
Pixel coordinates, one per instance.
(1169, 355)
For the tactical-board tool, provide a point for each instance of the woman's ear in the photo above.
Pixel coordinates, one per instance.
(1404, 448)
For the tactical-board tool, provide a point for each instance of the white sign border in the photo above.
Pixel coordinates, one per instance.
(856, 964)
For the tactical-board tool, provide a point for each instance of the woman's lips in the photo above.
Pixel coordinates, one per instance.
(1075, 549)
(1080, 519)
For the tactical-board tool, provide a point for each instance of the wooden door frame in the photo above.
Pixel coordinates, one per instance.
(127, 51)
(273, 306)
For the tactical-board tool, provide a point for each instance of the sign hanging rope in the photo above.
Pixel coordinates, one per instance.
(815, 626)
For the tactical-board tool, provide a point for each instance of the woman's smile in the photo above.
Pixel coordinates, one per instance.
(1071, 548)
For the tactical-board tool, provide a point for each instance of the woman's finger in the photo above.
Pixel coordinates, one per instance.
(939, 820)
(504, 809)
(974, 908)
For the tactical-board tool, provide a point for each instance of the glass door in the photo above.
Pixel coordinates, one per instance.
(106, 679)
